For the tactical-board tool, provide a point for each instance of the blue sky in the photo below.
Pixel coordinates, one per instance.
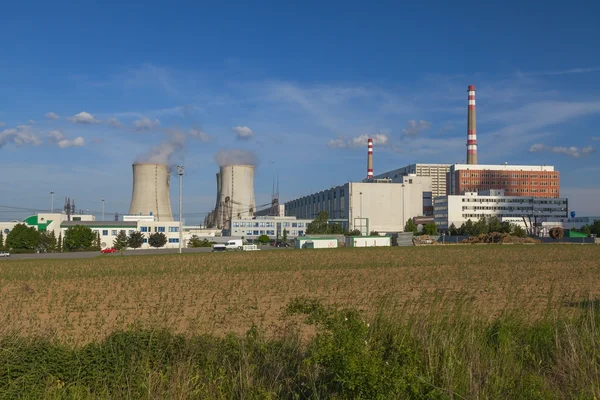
(87, 88)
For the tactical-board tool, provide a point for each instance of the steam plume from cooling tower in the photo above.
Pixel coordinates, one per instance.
(236, 157)
(163, 152)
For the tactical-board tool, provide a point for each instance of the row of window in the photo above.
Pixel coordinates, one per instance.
(159, 229)
(527, 210)
(477, 216)
(508, 183)
(504, 175)
(520, 201)
(115, 232)
(171, 240)
(271, 232)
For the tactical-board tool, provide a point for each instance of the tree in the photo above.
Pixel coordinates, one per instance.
(586, 229)
(97, 244)
(157, 239)
(48, 241)
(452, 230)
(518, 231)
(284, 236)
(23, 237)
(136, 239)
(374, 233)
(481, 226)
(467, 228)
(79, 238)
(319, 225)
(195, 241)
(263, 239)
(430, 229)
(1, 240)
(335, 229)
(355, 232)
(121, 241)
(410, 226)
(59, 244)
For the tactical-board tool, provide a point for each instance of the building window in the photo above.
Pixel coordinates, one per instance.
(161, 228)
(173, 240)
(145, 240)
(255, 233)
(294, 225)
(105, 232)
(249, 233)
(173, 229)
(262, 232)
(114, 232)
(144, 229)
(236, 224)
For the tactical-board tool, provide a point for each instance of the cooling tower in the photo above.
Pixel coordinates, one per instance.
(235, 194)
(151, 191)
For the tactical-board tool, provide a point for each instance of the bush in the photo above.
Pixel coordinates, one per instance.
(79, 238)
(157, 239)
(23, 237)
(263, 239)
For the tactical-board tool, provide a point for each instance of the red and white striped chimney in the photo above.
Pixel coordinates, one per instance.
(471, 128)
(370, 160)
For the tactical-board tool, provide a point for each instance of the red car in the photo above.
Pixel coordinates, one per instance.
(108, 250)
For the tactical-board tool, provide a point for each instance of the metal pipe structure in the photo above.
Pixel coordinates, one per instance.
(151, 191)
(471, 128)
(370, 159)
(102, 209)
(180, 172)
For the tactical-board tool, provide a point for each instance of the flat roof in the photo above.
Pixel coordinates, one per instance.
(101, 224)
(506, 167)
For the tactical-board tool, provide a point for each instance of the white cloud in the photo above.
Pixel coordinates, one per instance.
(32, 121)
(379, 139)
(593, 137)
(243, 132)
(145, 123)
(114, 122)
(83, 118)
(58, 138)
(198, 134)
(21, 136)
(51, 115)
(416, 127)
(572, 151)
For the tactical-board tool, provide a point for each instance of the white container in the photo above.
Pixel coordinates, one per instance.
(316, 243)
(368, 241)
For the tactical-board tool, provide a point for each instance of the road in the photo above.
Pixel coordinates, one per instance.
(92, 254)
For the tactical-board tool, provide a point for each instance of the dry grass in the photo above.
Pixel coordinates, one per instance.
(82, 301)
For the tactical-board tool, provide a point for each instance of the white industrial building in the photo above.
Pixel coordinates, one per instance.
(380, 206)
(437, 173)
(457, 209)
(270, 226)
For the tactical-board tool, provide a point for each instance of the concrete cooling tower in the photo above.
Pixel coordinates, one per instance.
(235, 194)
(151, 191)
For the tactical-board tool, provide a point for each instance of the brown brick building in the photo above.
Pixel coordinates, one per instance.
(516, 180)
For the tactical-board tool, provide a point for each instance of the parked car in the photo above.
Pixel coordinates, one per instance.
(219, 247)
(282, 244)
(234, 244)
(108, 250)
(4, 254)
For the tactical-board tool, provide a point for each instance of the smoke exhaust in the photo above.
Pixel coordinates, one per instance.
(370, 159)
(471, 128)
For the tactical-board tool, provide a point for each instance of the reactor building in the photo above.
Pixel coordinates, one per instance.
(151, 191)
(235, 196)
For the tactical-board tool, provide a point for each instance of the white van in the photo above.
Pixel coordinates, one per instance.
(234, 244)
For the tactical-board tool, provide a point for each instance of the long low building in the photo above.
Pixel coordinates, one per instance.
(381, 206)
(270, 226)
(458, 209)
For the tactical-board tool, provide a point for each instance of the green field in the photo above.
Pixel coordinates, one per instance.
(497, 321)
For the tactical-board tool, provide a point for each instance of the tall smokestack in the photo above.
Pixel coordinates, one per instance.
(370, 160)
(471, 128)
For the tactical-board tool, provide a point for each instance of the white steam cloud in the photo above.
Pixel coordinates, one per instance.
(145, 123)
(21, 136)
(236, 157)
(84, 118)
(51, 115)
(572, 151)
(243, 132)
(416, 127)
(58, 138)
(163, 152)
(379, 139)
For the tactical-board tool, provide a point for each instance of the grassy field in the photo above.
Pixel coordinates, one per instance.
(512, 321)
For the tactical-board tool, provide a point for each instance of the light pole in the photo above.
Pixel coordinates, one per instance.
(102, 209)
(52, 201)
(403, 205)
(361, 215)
(180, 172)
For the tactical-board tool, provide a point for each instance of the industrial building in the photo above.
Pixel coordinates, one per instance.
(270, 226)
(366, 206)
(151, 191)
(515, 180)
(235, 196)
(457, 209)
(437, 173)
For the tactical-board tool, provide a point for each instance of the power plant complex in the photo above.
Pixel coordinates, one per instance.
(442, 193)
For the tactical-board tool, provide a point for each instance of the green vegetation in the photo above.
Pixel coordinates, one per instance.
(447, 355)
(121, 241)
(485, 226)
(410, 226)
(321, 225)
(430, 229)
(23, 238)
(80, 238)
(157, 239)
(195, 241)
(284, 236)
(263, 239)
(136, 239)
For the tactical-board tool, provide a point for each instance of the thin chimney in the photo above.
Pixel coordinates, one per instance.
(471, 128)
(370, 160)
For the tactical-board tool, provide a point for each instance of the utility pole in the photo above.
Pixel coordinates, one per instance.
(52, 201)
(180, 172)
(102, 209)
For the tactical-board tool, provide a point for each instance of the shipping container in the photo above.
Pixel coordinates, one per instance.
(316, 243)
(368, 241)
